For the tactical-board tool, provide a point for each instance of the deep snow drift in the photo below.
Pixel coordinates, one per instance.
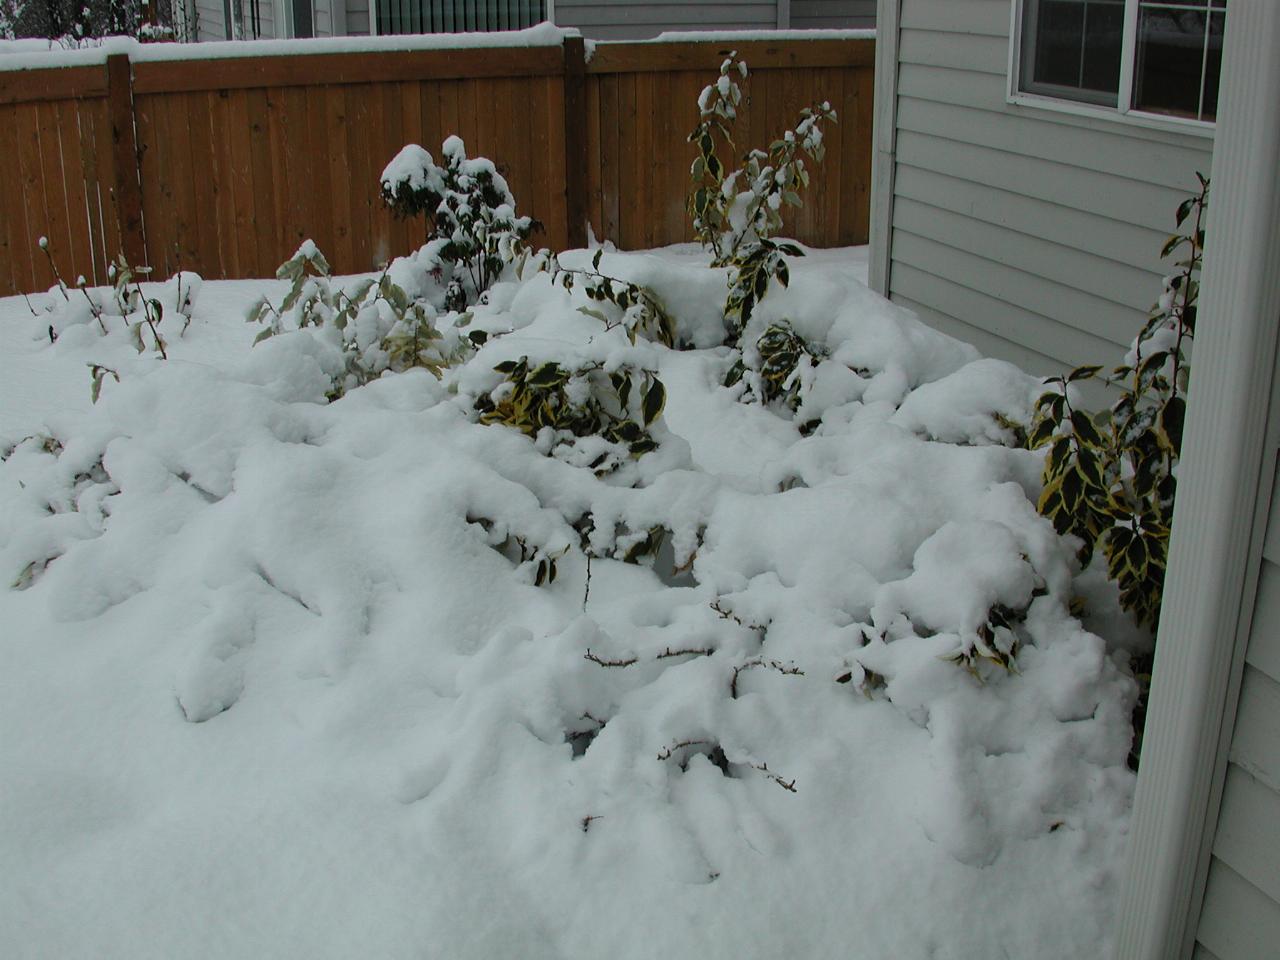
(274, 683)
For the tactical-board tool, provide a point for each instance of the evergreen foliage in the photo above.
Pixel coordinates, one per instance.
(1110, 478)
(735, 212)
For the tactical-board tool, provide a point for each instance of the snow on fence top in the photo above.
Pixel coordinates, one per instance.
(34, 55)
(737, 36)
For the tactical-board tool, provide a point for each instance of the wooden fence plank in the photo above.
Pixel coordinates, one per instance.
(126, 186)
(594, 184)
(86, 136)
(610, 166)
(53, 83)
(220, 178)
(344, 69)
(242, 185)
(265, 184)
(576, 181)
(16, 268)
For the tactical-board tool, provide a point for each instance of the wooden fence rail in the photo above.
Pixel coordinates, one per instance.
(224, 166)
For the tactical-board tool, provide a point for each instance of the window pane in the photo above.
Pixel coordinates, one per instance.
(1212, 67)
(1071, 48)
(1173, 57)
(1103, 35)
(1058, 43)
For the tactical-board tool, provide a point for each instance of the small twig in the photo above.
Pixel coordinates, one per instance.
(93, 307)
(608, 663)
(586, 594)
(791, 671)
(43, 244)
(589, 819)
(29, 306)
(668, 752)
(788, 785)
(685, 652)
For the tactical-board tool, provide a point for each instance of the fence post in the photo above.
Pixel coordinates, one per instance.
(126, 191)
(575, 140)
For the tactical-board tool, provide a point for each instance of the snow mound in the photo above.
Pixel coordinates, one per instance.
(279, 670)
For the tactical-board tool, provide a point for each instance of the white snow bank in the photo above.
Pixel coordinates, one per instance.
(277, 684)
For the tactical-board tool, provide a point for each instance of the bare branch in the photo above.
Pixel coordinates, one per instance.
(608, 663)
(791, 671)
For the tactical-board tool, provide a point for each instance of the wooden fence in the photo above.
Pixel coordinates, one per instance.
(224, 166)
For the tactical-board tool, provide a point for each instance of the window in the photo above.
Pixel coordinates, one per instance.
(1154, 58)
(457, 16)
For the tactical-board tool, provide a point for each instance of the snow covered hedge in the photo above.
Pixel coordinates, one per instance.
(342, 610)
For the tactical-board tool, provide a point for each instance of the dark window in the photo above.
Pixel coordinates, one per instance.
(1178, 58)
(1071, 49)
(302, 26)
(1075, 50)
(458, 16)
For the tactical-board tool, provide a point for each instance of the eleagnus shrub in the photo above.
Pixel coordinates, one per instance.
(1110, 477)
(471, 214)
(736, 211)
(374, 323)
(596, 418)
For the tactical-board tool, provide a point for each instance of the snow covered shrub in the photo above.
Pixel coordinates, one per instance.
(375, 325)
(10, 12)
(735, 212)
(474, 230)
(82, 23)
(596, 418)
(639, 311)
(1111, 477)
(779, 367)
(122, 306)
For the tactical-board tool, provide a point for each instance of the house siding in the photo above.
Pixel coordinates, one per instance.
(211, 23)
(832, 14)
(1240, 917)
(358, 18)
(1033, 234)
(637, 20)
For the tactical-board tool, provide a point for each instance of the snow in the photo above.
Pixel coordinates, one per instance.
(742, 36)
(274, 686)
(37, 54)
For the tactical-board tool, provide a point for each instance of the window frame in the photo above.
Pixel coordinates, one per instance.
(1123, 111)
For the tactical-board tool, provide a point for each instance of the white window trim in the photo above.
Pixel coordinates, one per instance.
(1122, 112)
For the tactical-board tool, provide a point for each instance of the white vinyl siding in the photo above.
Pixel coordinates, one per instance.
(358, 18)
(1240, 919)
(322, 18)
(639, 20)
(1031, 234)
(211, 22)
(832, 14)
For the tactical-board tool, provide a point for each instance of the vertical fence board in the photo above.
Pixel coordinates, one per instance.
(222, 176)
(80, 242)
(337, 197)
(55, 195)
(242, 186)
(555, 199)
(279, 145)
(265, 183)
(16, 269)
(86, 145)
(595, 187)
(126, 186)
(31, 177)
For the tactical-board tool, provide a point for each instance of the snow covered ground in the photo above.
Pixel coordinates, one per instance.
(271, 686)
